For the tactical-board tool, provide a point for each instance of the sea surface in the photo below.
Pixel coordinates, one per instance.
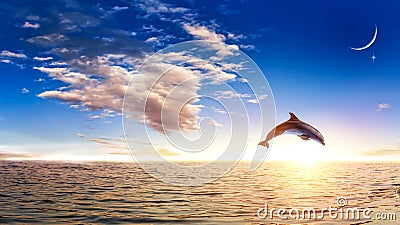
(122, 193)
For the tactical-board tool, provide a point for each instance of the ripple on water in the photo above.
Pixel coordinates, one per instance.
(48, 192)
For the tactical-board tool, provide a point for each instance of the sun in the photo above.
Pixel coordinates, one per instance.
(291, 148)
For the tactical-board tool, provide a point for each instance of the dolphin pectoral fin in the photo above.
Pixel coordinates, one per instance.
(304, 137)
(264, 143)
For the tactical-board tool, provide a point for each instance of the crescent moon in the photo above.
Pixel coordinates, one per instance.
(370, 43)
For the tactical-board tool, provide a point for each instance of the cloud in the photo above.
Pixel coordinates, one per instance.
(151, 29)
(6, 53)
(114, 143)
(203, 33)
(76, 21)
(31, 25)
(155, 7)
(105, 113)
(113, 10)
(262, 97)
(170, 104)
(167, 152)
(120, 8)
(258, 99)
(248, 47)
(214, 124)
(6, 61)
(236, 37)
(218, 110)
(99, 85)
(95, 62)
(7, 155)
(80, 135)
(216, 74)
(254, 101)
(24, 91)
(42, 58)
(48, 40)
(383, 106)
(229, 94)
(151, 39)
(385, 151)
(52, 71)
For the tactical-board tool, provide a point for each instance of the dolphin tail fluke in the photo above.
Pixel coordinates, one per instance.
(264, 143)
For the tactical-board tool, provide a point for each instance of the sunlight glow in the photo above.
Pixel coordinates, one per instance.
(291, 148)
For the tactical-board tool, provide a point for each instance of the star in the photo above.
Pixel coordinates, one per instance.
(373, 57)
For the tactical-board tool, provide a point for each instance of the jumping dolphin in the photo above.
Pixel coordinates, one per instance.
(296, 127)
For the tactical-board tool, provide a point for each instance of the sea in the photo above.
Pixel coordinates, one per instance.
(44, 192)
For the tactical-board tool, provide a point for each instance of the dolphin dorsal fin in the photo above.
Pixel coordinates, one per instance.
(293, 117)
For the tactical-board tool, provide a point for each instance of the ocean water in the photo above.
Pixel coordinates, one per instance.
(122, 193)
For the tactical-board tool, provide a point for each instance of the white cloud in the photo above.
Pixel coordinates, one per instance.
(120, 8)
(202, 32)
(80, 135)
(58, 64)
(150, 28)
(248, 47)
(6, 61)
(74, 106)
(218, 110)
(262, 97)
(383, 106)
(94, 81)
(170, 104)
(105, 91)
(24, 91)
(42, 58)
(244, 80)
(113, 143)
(31, 25)
(215, 124)
(236, 37)
(258, 99)
(230, 95)
(254, 101)
(155, 7)
(6, 53)
(151, 39)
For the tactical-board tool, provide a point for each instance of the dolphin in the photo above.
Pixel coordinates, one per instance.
(297, 127)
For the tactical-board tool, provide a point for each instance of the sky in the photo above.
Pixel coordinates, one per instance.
(65, 67)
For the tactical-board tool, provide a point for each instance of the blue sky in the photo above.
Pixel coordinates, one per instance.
(64, 65)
